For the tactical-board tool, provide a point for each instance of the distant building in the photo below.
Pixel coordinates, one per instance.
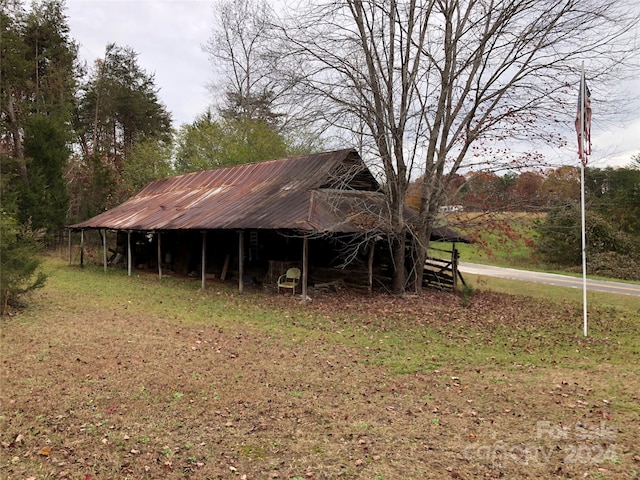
(450, 208)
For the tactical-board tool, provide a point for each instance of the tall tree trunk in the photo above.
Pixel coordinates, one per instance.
(16, 134)
(422, 245)
(399, 280)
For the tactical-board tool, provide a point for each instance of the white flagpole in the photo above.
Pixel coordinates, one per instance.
(583, 102)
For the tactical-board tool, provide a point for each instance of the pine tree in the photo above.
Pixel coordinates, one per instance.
(39, 70)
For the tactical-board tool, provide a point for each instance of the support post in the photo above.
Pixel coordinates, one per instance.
(129, 253)
(454, 267)
(225, 266)
(240, 261)
(204, 257)
(69, 247)
(104, 249)
(305, 269)
(159, 256)
(82, 248)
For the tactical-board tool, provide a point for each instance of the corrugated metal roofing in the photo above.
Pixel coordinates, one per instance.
(267, 195)
(289, 193)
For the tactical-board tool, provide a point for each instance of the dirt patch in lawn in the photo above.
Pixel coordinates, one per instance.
(94, 392)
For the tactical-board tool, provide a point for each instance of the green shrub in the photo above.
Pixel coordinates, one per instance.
(559, 241)
(612, 264)
(19, 262)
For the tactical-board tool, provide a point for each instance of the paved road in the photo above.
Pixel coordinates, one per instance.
(550, 279)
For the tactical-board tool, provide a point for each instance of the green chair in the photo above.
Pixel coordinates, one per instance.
(291, 280)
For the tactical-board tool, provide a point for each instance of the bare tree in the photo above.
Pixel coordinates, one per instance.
(437, 83)
(238, 50)
(247, 85)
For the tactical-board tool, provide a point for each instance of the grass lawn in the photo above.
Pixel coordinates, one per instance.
(107, 376)
(499, 239)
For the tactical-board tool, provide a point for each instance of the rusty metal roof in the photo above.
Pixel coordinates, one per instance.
(267, 195)
(324, 192)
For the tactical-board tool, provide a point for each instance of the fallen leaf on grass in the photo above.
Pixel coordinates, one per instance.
(45, 452)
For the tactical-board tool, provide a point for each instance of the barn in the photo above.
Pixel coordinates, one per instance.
(324, 214)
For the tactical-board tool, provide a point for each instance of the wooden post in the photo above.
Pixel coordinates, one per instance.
(159, 256)
(305, 264)
(129, 253)
(82, 248)
(454, 267)
(370, 267)
(240, 261)
(104, 249)
(69, 246)
(204, 257)
(225, 266)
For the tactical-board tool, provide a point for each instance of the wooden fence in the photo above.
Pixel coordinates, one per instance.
(441, 272)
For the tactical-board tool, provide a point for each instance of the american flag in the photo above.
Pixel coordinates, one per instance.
(583, 121)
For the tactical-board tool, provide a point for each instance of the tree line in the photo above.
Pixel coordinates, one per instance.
(78, 139)
(419, 87)
(612, 205)
(613, 190)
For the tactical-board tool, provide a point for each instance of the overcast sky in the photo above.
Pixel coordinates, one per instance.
(168, 36)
